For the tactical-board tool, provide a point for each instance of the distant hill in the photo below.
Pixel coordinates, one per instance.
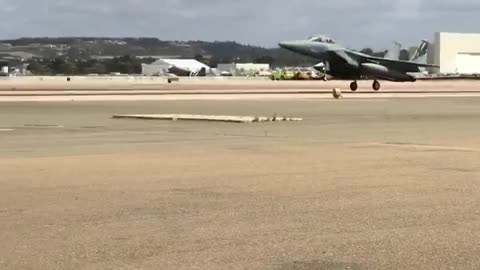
(209, 52)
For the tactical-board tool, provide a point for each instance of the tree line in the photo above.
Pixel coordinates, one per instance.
(124, 64)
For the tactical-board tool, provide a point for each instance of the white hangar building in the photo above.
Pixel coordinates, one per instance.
(456, 53)
(164, 66)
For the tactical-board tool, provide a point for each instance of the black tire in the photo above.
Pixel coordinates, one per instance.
(354, 86)
(169, 81)
(376, 85)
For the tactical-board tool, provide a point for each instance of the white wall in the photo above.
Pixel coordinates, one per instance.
(243, 68)
(227, 67)
(153, 69)
(449, 45)
(253, 67)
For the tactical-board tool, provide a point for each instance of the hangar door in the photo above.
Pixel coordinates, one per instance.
(468, 63)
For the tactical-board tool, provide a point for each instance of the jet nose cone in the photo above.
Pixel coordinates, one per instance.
(299, 46)
(305, 47)
(287, 44)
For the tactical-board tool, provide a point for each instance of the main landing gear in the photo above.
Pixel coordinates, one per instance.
(354, 86)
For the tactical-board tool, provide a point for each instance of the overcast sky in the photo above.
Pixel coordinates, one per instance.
(355, 23)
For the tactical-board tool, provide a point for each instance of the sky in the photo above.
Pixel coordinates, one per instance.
(354, 23)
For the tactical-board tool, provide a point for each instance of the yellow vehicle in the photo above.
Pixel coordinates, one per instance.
(300, 75)
(293, 75)
(282, 74)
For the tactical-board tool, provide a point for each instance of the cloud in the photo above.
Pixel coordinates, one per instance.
(373, 23)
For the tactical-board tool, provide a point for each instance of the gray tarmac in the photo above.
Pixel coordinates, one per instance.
(358, 184)
(25, 89)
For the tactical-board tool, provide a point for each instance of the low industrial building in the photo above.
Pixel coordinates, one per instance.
(184, 67)
(243, 69)
(456, 53)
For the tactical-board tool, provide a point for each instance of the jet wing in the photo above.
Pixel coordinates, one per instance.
(401, 62)
(381, 61)
(342, 55)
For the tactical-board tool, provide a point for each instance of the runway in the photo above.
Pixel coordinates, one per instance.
(225, 90)
(358, 184)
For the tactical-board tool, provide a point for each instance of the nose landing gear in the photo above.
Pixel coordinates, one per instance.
(376, 85)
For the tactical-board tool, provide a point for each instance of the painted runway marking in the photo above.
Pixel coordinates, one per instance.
(423, 147)
(42, 126)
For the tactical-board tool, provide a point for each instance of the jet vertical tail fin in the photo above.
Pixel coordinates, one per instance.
(394, 53)
(420, 55)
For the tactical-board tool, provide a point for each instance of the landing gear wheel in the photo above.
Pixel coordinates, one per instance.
(354, 86)
(376, 85)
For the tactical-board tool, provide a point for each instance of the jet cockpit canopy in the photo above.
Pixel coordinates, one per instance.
(321, 38)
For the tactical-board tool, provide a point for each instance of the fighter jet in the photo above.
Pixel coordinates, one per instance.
(420, 55)
(394, 53)
(343, 63)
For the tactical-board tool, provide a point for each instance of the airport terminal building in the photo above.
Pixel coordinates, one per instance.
(456, 53)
